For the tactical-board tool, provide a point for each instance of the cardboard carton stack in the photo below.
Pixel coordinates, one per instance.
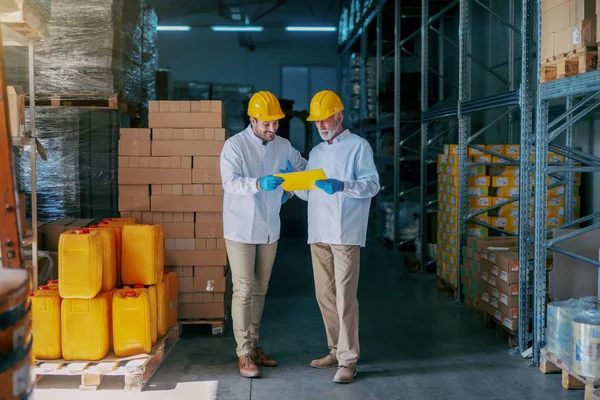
(567, 26)
(169, 174)
(478, 278)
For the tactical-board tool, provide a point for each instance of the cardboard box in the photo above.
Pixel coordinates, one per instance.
(187, 203)
(135, 133)
(195, 257)
(151, 176)
(186, 120)
(206, 162)
(209, 225)
(53, 230)
(185, 284)
(134, 197)
(134, 147)
(186, 148)
(480, 243)
(206, 175)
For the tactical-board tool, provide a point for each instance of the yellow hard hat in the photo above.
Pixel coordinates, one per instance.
(264, 106)
(323, 105)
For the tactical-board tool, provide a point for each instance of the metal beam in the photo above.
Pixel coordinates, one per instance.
(575, 256)
(485, 128)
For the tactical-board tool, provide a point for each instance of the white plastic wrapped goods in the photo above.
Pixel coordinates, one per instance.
(586, 343)
(33, 14)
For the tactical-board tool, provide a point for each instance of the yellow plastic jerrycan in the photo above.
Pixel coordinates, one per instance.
(172, 305)
(162, 294)
(117, 230)
(131, 323)
(109, 257)
(85, 328)
(45, 313)
(80, 264)
(143, 254)
(152, 297)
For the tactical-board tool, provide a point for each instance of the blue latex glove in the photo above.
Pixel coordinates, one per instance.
(330, 186)
(285, 197)
(288, 168)
(270, 182)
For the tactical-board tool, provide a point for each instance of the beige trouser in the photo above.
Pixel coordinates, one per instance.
(336, 269)
(251, 266)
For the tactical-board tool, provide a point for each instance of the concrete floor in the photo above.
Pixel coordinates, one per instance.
(415, 344)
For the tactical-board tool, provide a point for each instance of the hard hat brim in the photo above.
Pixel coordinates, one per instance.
(269, 117)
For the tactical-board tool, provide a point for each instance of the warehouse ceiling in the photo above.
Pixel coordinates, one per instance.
(265, 12)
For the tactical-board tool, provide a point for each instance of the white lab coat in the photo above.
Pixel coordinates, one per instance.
(342, 218)
(251, 215)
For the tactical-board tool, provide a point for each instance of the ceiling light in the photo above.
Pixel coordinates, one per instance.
(310, 28)
(238, 28)
(173, 28)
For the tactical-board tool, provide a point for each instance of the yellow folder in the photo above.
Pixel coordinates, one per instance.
(303, 180)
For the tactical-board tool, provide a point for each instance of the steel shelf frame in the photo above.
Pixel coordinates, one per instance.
(11, 37)
(521, 100)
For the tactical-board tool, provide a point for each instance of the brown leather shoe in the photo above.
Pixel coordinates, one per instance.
(261, 358)
(345, 374)
(329, 361)
(248, 368)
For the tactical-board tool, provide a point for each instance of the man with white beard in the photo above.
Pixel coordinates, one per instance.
(338, 215)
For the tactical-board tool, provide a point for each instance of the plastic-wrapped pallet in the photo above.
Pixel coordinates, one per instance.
(561, 336)
(586, 342)
(34, 14)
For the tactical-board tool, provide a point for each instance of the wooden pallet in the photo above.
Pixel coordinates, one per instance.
(136, 371)
(445, 287)
(568, 64)
(107, 101)
(549, 363)
(217, 325)
(474, 306)
(502, 332)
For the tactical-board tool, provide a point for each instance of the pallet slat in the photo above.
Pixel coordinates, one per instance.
(217, 325)
(136, 371)
(569, 64)
(549, 363)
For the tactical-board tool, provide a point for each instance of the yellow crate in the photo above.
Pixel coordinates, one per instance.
(554, 222)
(483, 201)
(452, 170)
(477, 170)
(512, 212)
(502, 199)
(555, 158)
(474, 152)
(496, 148)
(451, 190)
(508, 191)
(555, 211)
(453, 200)
(483, 158)
(512, 150)
(501, 181)
(503, 222)
(496, 159)
(477, 191)
(478, 181)
(555, 201)
(450, 149)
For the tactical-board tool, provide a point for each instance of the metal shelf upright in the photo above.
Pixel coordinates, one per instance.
(581, 97)
(14, 38)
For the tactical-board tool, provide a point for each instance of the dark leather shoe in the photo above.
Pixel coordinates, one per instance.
(261, 358)
(248, 368)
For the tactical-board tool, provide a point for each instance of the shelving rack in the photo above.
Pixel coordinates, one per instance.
(11, 37)
(521, 95)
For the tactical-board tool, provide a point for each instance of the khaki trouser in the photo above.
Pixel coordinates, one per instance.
(251, 267)
(336, 269)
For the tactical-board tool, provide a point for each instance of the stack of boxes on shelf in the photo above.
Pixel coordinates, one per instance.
(486, 187)
(169, 175)
(567, 25)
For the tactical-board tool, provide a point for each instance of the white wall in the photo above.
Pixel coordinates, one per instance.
(216, 57)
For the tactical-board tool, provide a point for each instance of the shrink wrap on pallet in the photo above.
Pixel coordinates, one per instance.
(586, 343)
(33, 14)
(562, 337)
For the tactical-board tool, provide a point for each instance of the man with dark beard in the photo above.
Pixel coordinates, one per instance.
(252, 200)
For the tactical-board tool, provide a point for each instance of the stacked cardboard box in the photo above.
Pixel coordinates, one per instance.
(169, 174)
(567, 25)
(475, 273)
(487, 187)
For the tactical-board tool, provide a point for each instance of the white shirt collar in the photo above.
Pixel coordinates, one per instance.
(342, 136)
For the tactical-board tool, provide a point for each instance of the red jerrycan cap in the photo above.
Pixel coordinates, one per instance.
(32, 294)
(108, 219)
(138, 286)
(43, 287)
(52, 281)
(129, 294)
(92, 226)
(102, 223)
